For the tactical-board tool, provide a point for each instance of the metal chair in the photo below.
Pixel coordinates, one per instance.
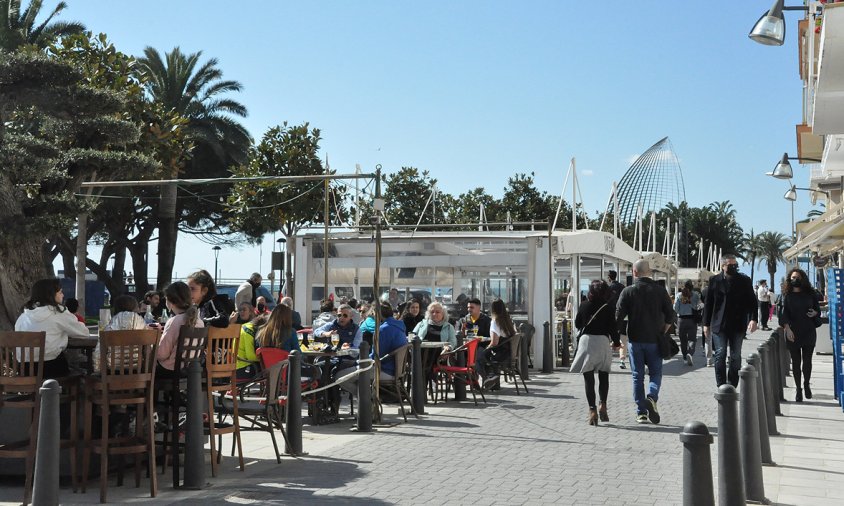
(397, 384)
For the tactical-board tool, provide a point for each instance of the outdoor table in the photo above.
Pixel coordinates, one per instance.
(322, 400)
(86, 345)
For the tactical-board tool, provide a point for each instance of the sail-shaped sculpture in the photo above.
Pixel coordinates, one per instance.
(654, 180)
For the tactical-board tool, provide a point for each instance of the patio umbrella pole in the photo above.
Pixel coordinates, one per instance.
(378, 206)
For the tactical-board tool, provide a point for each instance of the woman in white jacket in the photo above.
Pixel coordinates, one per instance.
(44, 312)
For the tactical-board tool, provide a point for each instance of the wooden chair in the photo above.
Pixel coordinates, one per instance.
(190, 347)
(512, 367)
(220, 377)
(126, 378)
(397, 385)
(21, 370)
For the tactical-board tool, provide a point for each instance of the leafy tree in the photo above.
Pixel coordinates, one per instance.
(17, 28)
(466, 207)
(771, 246)
(405, 194)
(256, 208)
(178, 82)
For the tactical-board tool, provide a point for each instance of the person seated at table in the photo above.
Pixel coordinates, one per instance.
(497, 352)
(326, 314)
(279, 331)
(297, 318)
(261, 305)
(367, 327)
(214, 308)
(412, 315)
(247, 359)
(152, 300)
(72, 305)
(475, 323)
(44, 312)
(184, 312)
(350, 334)
(356, 312)
(244, 314)
(435, 326)
(125, 317)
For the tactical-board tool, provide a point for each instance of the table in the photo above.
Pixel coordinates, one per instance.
(87, 345)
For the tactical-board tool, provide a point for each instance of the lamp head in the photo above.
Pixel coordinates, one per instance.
(791, 194)
(783, 168)
(770, 29)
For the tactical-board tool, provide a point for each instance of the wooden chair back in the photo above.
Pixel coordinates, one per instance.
(515, 348)
(221, 351)
(127, 358)
(21, 364)
(190, 346)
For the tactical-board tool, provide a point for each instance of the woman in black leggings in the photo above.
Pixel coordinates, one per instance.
(800, 307)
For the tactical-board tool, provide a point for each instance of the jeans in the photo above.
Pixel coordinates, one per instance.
(641, 355)
(720, 342)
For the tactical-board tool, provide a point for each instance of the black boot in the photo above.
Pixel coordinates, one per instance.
(798, 397)
(808, 390)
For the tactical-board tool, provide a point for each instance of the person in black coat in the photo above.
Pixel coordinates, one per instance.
(730, 312)
(214, 308)
(800, 307)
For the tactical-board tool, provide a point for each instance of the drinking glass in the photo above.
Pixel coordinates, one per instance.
(335, 340)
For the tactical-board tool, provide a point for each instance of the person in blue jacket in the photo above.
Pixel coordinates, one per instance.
(392, 335)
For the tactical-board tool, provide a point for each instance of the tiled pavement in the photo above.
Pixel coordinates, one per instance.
(529, 449)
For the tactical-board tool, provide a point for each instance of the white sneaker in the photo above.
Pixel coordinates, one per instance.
(689, 360)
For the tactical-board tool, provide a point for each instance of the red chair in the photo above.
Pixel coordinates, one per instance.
(271, 356)
(446, 370)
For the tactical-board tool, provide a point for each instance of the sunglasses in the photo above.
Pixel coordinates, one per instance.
(344, 316)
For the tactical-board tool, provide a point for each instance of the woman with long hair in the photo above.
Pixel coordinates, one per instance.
(501, 327)
(412, 314)
(596, 323)
(800, 307)
(184, 312)
(44, 312)
(279, 331)
(685, 304)
(214, 309)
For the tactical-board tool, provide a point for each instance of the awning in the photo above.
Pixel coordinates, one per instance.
(823, 236)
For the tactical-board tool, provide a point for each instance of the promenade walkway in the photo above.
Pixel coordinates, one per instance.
(529, 449)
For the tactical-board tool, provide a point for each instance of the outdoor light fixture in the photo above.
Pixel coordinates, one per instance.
(216, 250)
(791, 194)
(783, 168)
(770, 29)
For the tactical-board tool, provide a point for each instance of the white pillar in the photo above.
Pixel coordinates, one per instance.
(540, 305)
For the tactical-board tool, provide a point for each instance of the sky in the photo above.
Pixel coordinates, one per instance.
(476, 91)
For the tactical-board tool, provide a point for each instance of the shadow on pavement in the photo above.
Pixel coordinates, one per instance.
(809, 469)
(649, 427)
(430, 422)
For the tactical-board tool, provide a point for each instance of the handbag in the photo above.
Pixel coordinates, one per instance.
(667, 346)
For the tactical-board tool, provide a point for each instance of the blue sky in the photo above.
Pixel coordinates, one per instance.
(476, 91)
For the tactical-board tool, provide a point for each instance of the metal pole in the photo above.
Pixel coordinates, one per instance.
(774, 375)
(730, 472)
(294, 403)
(459, 384)
(524, 332)
(754, 360)
(194, 434)
(548, 351)
(751, 451)
(325, 235)
(378, 206)
(566, 341)
(364, 393)
(46, 480)
(417, 377)
(697, 465)
(768, 375)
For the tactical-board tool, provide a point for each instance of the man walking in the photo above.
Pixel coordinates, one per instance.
(615, 291)
(764, 296)
(729, 314)
(647, 307)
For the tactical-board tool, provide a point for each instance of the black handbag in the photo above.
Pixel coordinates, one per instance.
(667, 346)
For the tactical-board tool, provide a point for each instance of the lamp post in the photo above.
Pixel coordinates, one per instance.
(282, 280)
(783, 170)
(770, 28)
(216, 250)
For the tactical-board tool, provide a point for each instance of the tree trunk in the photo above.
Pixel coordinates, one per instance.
(21, 265)
(772, 270)
(167, 235)
(140, 264)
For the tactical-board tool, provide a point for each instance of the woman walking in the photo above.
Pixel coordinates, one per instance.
(596, 323)
(800, 307)
(685, 305)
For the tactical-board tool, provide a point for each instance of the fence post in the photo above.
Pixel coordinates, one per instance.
(697, 465)
(751, 452)
(548, 349)
(194, 433)
(364, 392)
(294, 403)
(417, 377)
(523, 349)
(459, 383)
(45, 486)
(756, 361)
(730, 472)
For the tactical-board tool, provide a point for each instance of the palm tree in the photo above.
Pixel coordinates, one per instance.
(771, 246)
(18, 28)
(750, 251)
(179, 83)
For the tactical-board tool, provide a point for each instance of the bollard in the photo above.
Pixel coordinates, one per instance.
(548, 349)
(730, 472)
(526, 331)
(697, 465)
(194, 433)
(565, 339)
(785, 361)
(46, 481)
(767, 371)
(294, 404)
(751, 453)
(771, 376)
(778, 381)
(756, 362)
(459, 382)
(417, 377)
(364, 393)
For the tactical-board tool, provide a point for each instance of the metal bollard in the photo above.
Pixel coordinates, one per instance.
(755, 361)
(364, 393)
(697, 465)
(527, 334)
(730, 472)
(777, 379)
(194, 433)
(46, 481)
(751, 453)
(785, 361)
(417, 377)
(459, 383)
(294, 404)
(565, 340)
(768, 374)
(548, 349)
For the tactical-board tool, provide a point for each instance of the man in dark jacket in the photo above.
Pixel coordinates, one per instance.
(730, 312)
(615, 291)
(649, 313)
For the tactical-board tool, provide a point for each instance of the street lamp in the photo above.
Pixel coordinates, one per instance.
(791, 196)
(783, 170)
(281, 247)
(770, 29)
(216, 250)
